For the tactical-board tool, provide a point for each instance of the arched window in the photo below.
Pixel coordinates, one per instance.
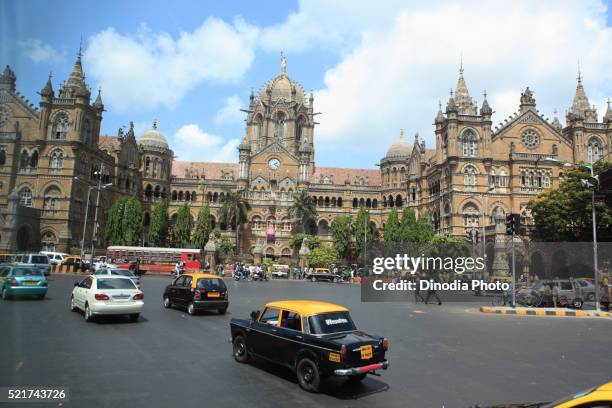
(48, 241)
(323, 227)
(157, 192)
(279, 126)
(86, 132)
(181, 196)
(25, 197)
(502, 180)
(34, 159)
(155, 166)
(257, 125)
(399, 201)
(193, 196)
(469, 176)
(187, 196)
(52, 199)
(174, 195)
(149, 191)
(147, 166)
(2, 157)
(470, 215)
(299, 129)
(286, 224)
(594, 149)
(256, 223)
(24, 159)
(60, 126)
(470, 144)
(56, 161)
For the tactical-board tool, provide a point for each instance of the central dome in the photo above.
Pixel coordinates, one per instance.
(282, 87)
(400, 148)
(153, 138)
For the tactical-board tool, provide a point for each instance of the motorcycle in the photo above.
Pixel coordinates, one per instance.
(259, 276)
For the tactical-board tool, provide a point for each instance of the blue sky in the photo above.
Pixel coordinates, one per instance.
(374, 67)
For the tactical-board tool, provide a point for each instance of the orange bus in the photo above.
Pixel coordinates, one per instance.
(156, 260)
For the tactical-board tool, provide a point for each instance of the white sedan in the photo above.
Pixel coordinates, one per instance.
(107, 295)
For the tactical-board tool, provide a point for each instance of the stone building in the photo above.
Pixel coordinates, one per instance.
(474, 175)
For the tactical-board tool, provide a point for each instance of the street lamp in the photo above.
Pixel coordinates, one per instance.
(89, 188)
(592, 183)
(95, 227)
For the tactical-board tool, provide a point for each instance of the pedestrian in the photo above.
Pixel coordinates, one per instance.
(352, 274)
(432, 292)
(555, 292)
(137, 266)
(417, 289)
(177, 269)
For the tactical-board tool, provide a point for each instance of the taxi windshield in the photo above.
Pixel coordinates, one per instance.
(211, 284)
(328, 323)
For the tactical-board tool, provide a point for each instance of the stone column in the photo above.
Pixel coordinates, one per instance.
(210, 250)
(500, 262)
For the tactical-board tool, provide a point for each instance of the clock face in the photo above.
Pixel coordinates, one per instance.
(274, 164)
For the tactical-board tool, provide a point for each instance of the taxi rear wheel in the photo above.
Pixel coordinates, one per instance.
(240, 350)
(191, 309)
(308, 375)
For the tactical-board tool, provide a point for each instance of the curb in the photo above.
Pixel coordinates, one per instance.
(544, 312)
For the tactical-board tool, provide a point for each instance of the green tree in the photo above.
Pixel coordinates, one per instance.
(303, 209)
(393, 228)
(203, 227)
(565, 214)
(362, 231)
(323, 257)
(226, 248)
(158, 229)
(296, 241)
(114, 224)
(424, 229)
(408, 226)
(342, 232)
(183, 226)
(131, 223)
(234, 211)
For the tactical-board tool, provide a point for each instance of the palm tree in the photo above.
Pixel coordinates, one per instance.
(234, 211)
(303, 208)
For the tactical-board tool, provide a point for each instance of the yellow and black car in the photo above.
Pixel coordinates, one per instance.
(196, 292)
(314, 339)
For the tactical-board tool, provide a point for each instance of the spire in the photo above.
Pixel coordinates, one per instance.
(8, 79)
(555, 122)
(98, 103)
(439, 115)
(608, 116)
(75, 85)
(154, 126)
(485, 110)
(47, 90)
(581, 108)
(283, 63)
(464, 102)
(451, 106)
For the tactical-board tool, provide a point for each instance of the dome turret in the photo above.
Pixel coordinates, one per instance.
(400, 148)
(153, 138)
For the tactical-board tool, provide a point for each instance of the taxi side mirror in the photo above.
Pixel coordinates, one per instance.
(254, 315)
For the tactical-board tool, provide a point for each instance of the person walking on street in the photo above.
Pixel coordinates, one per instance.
(177, 269)
(432, 292)
(417, 289)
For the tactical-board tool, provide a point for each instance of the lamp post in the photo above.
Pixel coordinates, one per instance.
(592, 183)
(485, 197)
(95, 226)
(89, 188)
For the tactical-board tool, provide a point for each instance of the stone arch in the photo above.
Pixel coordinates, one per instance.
(175, 195)
(469, 142)
(193, 196)
(181, 196)
(399, 202)
(48, 240)
(323, 227)
(470, 211)
(60, 125)
(51, 197)
(26, 195)
(595, 148)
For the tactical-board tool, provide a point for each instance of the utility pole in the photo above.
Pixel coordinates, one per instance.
(513, 273)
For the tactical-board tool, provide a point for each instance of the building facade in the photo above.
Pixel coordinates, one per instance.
(474, 175)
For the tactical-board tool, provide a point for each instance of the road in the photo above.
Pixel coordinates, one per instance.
(447, 355)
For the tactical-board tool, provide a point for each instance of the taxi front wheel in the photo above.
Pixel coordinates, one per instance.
(308, 375)
(240, 350)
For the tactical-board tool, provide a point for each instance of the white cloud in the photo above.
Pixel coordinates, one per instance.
(151, 69)
(38, 51)
(194, 144)
(396, 73)
(230, 112)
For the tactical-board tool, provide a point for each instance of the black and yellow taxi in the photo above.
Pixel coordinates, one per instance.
(314, 339)
(197, 292)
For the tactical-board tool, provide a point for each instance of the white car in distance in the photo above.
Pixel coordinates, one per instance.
(107, 295)
(106, 271)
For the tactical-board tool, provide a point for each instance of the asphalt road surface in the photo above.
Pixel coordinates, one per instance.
(447, 355)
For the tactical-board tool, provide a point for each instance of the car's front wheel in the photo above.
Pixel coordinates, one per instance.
(241, 354)
(167, 302)
(308, 375)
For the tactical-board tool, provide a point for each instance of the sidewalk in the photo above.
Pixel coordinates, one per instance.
(547, 311)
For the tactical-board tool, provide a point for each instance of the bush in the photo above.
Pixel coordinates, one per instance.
(323, 257)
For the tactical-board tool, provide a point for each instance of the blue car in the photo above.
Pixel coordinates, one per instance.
(22, 280)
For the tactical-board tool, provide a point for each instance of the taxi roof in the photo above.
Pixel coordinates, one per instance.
(307, 307)
(199, 275)
(605, 387)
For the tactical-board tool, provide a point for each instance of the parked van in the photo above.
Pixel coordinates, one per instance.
(55, 258)
(40, 261)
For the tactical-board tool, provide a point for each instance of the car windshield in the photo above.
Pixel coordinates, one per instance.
(211, 284)
(121, 272)
(327, 323)
(115, 283)
(40, 259)
(26, 272)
